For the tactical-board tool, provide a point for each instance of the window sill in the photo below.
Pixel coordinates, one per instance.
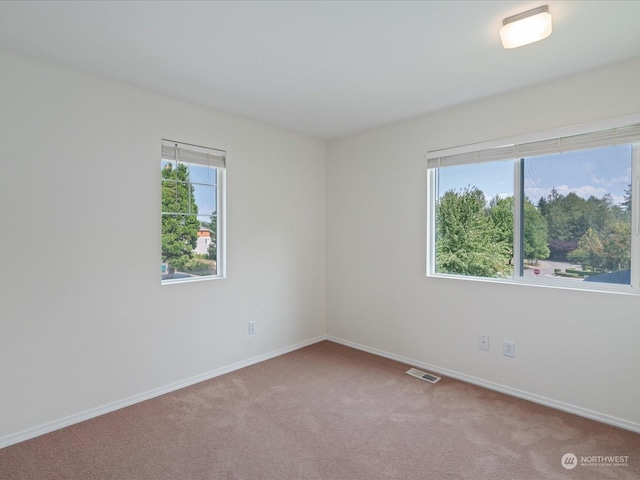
(561, 285)
(173, 281)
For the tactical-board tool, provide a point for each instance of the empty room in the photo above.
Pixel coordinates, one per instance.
(320, 240)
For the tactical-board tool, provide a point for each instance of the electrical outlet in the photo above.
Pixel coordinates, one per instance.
(483, 342)
(509, 349)
(252, 328)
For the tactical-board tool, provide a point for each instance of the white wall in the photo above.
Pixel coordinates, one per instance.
(576, 348)
(84, 320)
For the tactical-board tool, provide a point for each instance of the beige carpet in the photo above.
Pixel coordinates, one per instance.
(326, 412)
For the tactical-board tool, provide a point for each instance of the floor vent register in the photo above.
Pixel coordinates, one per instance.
(427, 377)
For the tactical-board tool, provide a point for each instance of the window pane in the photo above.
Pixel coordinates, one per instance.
(577, 216)
(474, 220)
(206, 251)
(205, 199)
(167, 163)
(189, 221)
(175, 198)
(175, 187)
(202, 174)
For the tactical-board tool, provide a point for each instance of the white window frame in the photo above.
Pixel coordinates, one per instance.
(210, 157)
(498, 150)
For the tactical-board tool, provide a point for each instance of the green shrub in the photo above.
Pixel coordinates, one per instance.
(197, 266)
(568, 275)
(579, 273)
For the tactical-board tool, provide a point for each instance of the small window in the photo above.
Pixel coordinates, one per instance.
(192, 207)
(554, 212)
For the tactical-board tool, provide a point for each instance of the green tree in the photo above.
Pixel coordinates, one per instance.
(179, 232)
(467, 241)
(570, 217)
(543, 207)
(212, 251)
(535, 241)
(626, 204)
(617, 247)
(535, 237)
(501, 215)
(590, 251)
(603, 213)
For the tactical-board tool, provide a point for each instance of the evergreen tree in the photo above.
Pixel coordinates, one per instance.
(626, 204)
(570, 217)
(543, 206)
(179, 232)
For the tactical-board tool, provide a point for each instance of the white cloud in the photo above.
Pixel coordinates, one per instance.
(585, 191)
(530, 182)
(613, 181)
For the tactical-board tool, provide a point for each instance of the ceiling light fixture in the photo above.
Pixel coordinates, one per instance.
(526, 27)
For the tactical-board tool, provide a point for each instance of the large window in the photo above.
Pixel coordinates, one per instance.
(192, 212)
(560, 211)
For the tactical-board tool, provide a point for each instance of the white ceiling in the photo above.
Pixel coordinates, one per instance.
(323, 68)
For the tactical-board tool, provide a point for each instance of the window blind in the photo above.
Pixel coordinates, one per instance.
(182, 152)
(602, 138)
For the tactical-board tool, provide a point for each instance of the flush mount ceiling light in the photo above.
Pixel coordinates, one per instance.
(526, 27)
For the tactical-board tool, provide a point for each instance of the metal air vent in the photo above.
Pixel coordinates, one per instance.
(427, 377)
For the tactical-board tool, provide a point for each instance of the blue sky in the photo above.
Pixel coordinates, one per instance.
(587, 172)
(205, 194)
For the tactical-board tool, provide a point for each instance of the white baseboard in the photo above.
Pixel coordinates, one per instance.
(565, 407)
(110, 407)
